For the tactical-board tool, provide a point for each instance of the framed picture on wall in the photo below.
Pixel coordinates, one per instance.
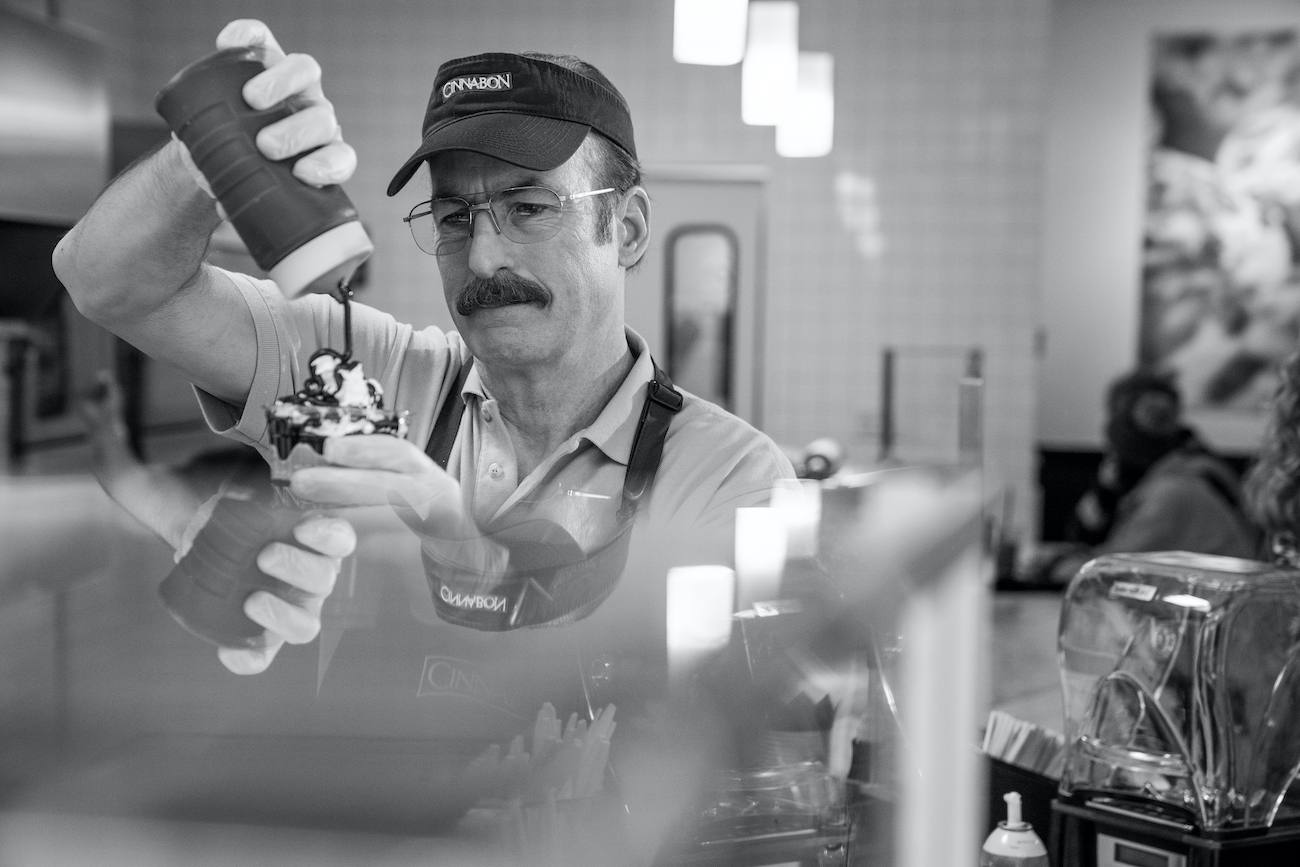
(1221, 247)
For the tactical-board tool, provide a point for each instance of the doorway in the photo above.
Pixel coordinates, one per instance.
(697, 297)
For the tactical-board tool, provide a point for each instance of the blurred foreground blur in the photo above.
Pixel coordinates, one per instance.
(830, 712)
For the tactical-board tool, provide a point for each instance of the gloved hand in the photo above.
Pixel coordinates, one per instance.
(385, 470)
(312, 572)
(333, 160)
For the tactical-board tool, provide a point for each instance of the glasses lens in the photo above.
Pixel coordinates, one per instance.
(450, 221)
(424, 230)
(527, 215)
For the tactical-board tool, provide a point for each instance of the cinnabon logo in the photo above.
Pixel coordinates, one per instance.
(445, 676)
(462, 83)
(471, 600)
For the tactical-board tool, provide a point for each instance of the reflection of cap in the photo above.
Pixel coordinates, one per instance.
(523, 110)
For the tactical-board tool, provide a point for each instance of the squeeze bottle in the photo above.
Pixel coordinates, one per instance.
(307, 238)
(1013, 843)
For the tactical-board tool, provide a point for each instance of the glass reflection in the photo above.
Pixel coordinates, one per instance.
(532, 745)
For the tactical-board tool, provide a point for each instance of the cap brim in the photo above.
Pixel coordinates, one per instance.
(524, 140)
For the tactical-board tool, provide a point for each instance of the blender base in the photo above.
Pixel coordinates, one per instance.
(1085, 836)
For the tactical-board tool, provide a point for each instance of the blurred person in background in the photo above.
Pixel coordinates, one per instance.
(1159, 486)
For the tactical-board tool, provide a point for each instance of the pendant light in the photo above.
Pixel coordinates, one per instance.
(807, 127)
(709, 32)
(771, 67)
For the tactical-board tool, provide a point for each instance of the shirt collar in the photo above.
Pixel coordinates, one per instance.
(473, 383)
(614, 429)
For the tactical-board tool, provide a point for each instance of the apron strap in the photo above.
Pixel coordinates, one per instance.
(662, 402)
(447, 425)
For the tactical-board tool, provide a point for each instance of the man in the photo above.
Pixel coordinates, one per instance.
(552, 384)
(1159, 488)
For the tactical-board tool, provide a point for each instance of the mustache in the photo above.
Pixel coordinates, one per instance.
(500, 290)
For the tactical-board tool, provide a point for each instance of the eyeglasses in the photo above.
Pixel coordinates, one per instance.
(525, 215)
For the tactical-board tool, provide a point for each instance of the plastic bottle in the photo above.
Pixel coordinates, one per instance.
(206, 590)
(1013, 843)
(307, 238)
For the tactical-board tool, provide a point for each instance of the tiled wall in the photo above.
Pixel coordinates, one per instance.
(940, 102)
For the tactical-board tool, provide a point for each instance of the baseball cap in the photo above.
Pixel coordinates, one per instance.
(524, 110)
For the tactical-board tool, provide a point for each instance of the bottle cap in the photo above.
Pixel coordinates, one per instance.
(1014, 838)
(1014, 822)
(318, 265)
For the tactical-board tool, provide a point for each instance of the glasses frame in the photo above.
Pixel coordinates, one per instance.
(486, 206)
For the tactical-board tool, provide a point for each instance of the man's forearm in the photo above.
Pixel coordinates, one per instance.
(134, 264)
(140, 243)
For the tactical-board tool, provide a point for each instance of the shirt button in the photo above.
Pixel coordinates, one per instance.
(487, 415)
(495, 471)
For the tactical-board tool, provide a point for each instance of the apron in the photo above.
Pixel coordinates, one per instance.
(415, 664)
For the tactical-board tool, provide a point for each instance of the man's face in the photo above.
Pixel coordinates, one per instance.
(577, 282)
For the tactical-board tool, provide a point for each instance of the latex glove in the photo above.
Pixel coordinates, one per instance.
(384, 470)
(311, 567)
(313, 128)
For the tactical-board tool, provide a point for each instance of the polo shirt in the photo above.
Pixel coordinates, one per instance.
(713, 462)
